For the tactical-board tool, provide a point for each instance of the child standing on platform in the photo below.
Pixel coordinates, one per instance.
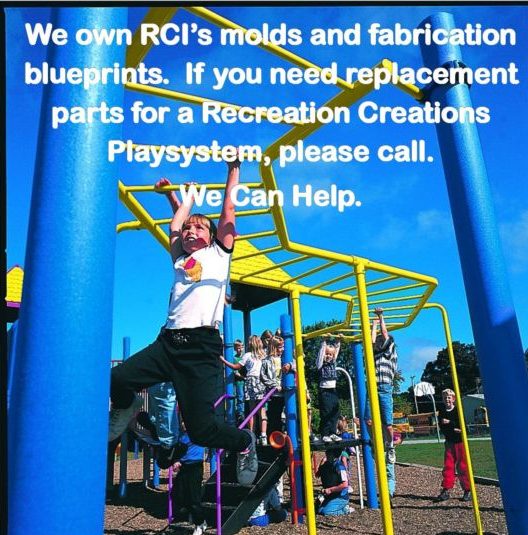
(328, 400)
(271, 375)
(254, 388)
(240, 378)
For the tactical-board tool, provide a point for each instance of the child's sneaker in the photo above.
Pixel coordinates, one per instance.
(247, 462)
(263, 440)
(467, 496)
(120, 418)
(391, 455)
(336, 438)
(327, 439)
(200, 530)
(443, 496)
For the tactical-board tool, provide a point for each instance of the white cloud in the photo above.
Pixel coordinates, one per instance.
(421, 355)
(434, 223)
(426, 225)
(515, 243)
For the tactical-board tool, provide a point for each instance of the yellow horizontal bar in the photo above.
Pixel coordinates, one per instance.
(136, 51)
(412, 90)
(332, 281)
(142, 215)
(395, 299)
(247, 213)
(255, 235)
(258, 253)
(297, 133)
(310, 272)
(354, 260)
(388, 309)
(276, 266)
(176, 187)
(397, 289)
(370, 283)
(337, 327)
(218, 20)
(129, 225)
(420, 304)
(392, 316)
(270, 283)
(195, 99)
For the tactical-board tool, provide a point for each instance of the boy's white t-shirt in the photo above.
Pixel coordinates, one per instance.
(198, 293)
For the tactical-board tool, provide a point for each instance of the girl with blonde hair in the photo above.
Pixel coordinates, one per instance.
(254, 388)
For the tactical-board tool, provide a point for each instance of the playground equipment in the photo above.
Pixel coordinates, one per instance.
(357, 283)
(354, 427)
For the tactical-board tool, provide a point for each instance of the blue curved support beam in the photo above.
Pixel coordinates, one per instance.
(493, 318)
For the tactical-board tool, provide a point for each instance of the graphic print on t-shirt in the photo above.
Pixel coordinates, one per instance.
(193, 269)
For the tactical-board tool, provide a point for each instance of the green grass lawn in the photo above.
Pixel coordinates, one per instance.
(482, 456)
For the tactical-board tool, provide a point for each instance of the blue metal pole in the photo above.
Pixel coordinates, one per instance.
(246, 315)
(493, 318)
(11, 357)
(123, 457)
(61, 383)
(229, 356)
(155, 475)
(362, 399)
(290, 404)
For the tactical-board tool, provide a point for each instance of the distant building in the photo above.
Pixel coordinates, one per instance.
(474, 406)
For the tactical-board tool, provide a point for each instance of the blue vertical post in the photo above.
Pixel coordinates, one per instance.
(246, 315)
(229, 356)
(11, 357)
(155, 475)
(493, 318)
(123, 457)
(65, 329)
(362, 399)
(290, 403)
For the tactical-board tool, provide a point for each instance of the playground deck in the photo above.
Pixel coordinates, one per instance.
(144, 511)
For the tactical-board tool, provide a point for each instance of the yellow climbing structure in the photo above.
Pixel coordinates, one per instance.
(266, 257)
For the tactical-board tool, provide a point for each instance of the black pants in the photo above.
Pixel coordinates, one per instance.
(328, 411)
(275, 406)
(189, 359)
(187, 491)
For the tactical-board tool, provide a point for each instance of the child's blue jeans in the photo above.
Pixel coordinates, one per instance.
(386, 404)
(335, 507)
(162, 411)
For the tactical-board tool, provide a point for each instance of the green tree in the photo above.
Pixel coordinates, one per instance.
(397, 382)
(438, 372)
(402, 404)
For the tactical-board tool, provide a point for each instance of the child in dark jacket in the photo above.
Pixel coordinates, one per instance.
(328, 400)
(454, 453)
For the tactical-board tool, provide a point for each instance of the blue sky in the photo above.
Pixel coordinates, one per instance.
(405, 217)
